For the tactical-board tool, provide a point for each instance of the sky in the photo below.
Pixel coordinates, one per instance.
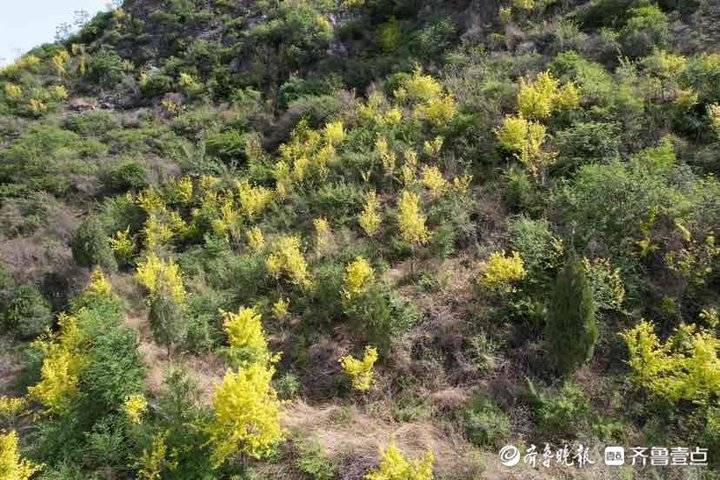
(25, 24)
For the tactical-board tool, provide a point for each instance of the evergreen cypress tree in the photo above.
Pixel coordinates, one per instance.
(571, 330)
(168, 320)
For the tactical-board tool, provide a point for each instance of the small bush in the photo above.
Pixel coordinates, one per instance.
(227, 146)
(587, 142)
(24, 312)
(105, 68)
(129, 175)
(313, 461)
(155, 83)
(562, 415)
(486, 425)
(646, 29)
(381, 315)
(91, 245)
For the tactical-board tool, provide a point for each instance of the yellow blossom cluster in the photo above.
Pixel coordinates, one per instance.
(359, 275)
(246, 414)
(538, 99)
(12, 465)
(714, 114)
(411, 220)
(154, 273)
(432, 178)
(394, 466)
(244, 330)
(63, 361)
(307, 155)
(11, 406)
(281, 309)
(323, 233)
(501, 271)
(255, 239)
(370, 218)
(428, 96)
(135, 407)
(253, 200)
(287, 258)
(360, 372)
(685, 367)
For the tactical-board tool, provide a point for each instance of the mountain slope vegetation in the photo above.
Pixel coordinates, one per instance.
(360, 239)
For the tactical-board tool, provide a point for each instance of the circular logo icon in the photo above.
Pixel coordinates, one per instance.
(509, 455)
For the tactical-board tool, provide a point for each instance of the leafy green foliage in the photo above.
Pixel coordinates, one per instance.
(23, 310)
(571, 330)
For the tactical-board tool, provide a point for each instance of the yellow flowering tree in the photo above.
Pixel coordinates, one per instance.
(714, 114)
(287, 258)
(255, 239)
(433, 180)
(63, 361)
(359, 275)
(253, 200)
(500, 271)
(525, 138)
(246, 414)
(370, 218)
(12, 406)
(411, 220)
(334, 133)
(430, 100)
(538, 99)
(394, 466)
(135, 407)
(360, 371)
(167, 299)
(281, 309)
(152, 272)
(12, 465)
(246, 337)
(155, 459)
(685, 367)
(122, 246)
(323, 233)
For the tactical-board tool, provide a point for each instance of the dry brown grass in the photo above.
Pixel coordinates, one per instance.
(346, 432)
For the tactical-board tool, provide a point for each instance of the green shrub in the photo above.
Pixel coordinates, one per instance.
(381, 315)
(486, 425)
(390, 35)
(91, 245)
(608, 204)
(105, 68)
(47, 158)
(92, 123)
(313, 461)
(155, 83)
(571, 330)
(296, 88)
(168, 320)
(288, 386)
(521, 191)
(227, 146)
(537, 246)
(562, 415)
(24, 312)
(587, 142)
(647, 28)
(125, 176)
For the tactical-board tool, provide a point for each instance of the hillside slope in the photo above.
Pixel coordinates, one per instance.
(310, 239)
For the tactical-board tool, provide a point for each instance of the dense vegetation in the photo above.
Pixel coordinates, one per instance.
(359, 239)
